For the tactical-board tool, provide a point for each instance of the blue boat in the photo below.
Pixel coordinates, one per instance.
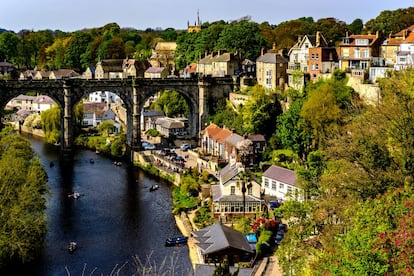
(176, 241)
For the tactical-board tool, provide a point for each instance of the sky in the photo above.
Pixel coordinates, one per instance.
(73, 15)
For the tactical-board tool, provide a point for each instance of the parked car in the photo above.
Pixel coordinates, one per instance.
(274, 204)
(147, 145)
(185, 147)
(282, 227)
(279, 237)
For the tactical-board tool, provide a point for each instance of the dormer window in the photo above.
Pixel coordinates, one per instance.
(346, 40)
(363, 42)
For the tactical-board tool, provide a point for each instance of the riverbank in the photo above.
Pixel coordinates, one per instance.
(184, 225)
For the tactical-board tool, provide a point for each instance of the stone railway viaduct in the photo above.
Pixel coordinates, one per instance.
(134, 92)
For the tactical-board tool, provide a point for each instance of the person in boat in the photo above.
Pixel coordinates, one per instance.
(154, 187)
(72, 246)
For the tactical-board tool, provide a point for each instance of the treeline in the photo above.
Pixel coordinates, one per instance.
(51, 50)
(22, 200)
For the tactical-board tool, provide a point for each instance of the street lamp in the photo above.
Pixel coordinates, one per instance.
(244, 196)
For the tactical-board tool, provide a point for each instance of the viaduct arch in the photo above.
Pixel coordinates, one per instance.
(133, 92)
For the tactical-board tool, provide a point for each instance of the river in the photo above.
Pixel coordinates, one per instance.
(118, 224)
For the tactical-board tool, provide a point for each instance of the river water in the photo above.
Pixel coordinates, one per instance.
(118, 224)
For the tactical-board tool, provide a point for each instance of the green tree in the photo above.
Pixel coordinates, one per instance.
(22, 189)
(106, 128)
(77, 46)
(223, 269)
(9, 43)
(260, 112)
(243, 38)
(292, 131)
(172, 104)
(189, 186)
(356, 26)
(51, 124)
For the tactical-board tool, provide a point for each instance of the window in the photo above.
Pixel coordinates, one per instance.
(313, 56)
(361, 42)
(357, 53)
(316, 56)
(316, 66)
(250, 191)
(365, 53)
(232, 190)
(266, 182)
(281, 186)
(274, 185)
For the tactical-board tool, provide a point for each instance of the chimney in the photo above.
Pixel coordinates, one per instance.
(262, 51)
(377, 34)
(318, 39)
(274, 47)
(299, 38)
(347, 34)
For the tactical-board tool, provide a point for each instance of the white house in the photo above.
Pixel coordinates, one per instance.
(102, 97)
(42, 103)
(281, 182)
(228, 200)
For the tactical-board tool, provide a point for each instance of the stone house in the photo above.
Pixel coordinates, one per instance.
(109, 69)
(27, 74)
(89, 73)
(271, 69)
(39, 75)
(218, 64)
(171, 127)
(135, 68)
(6, 68)
(163, 55)
(149, 117)
(63, 73)
(21, 102)
(235, 196)
(281, 183)
(156, 73)
(218, 242)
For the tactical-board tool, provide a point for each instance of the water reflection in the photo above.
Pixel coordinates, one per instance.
(114, 220)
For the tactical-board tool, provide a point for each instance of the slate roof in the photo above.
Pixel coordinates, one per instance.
(281, 174)
(112, 65)
(273, 58)
(256, 138)
(43, 99)
(155, 70)
(230, 171)
(372, 39)
(152, 113)
(234, 139)
(169, 123)
(218, 237)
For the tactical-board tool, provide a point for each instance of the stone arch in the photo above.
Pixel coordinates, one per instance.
(190, 94)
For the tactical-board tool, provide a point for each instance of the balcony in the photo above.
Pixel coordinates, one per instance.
(293, 66)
